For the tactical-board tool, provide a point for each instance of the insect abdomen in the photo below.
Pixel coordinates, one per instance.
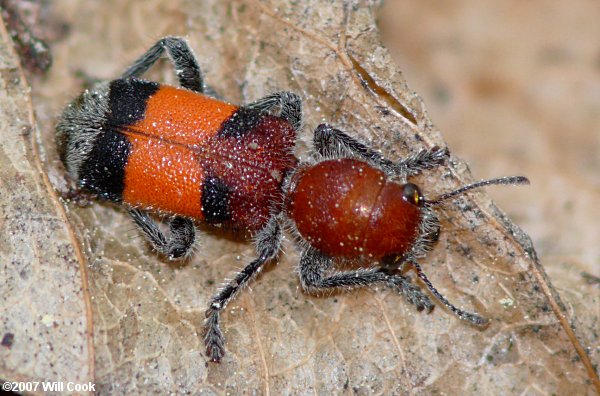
(168, 149)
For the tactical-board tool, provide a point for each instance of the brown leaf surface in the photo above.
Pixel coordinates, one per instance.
(147, 314)
(44, 305)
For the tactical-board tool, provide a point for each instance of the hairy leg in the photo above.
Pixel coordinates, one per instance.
(313, 266)
(268, 242)
(179, 244)
(331, 142)
(289, 103)
(183, 59)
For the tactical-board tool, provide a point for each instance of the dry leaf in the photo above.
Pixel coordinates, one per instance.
(109, 311)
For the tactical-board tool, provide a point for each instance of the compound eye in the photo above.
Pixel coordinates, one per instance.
(412, 194)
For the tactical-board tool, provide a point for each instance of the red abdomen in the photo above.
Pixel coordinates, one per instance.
(199, 157)
(347, 208)
(176, 151)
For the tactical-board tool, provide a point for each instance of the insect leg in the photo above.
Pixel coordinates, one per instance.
(313, 265)
(289, 103)
(331, 142)
(181, 55)
(179, 244)
(268, 242)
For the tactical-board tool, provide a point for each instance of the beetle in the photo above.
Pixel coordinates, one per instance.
(185, 153)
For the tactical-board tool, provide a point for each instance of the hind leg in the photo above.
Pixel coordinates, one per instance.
(177, 245)
(181, 55)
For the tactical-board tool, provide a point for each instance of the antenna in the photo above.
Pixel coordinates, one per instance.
(483, 183)
(467, 316)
